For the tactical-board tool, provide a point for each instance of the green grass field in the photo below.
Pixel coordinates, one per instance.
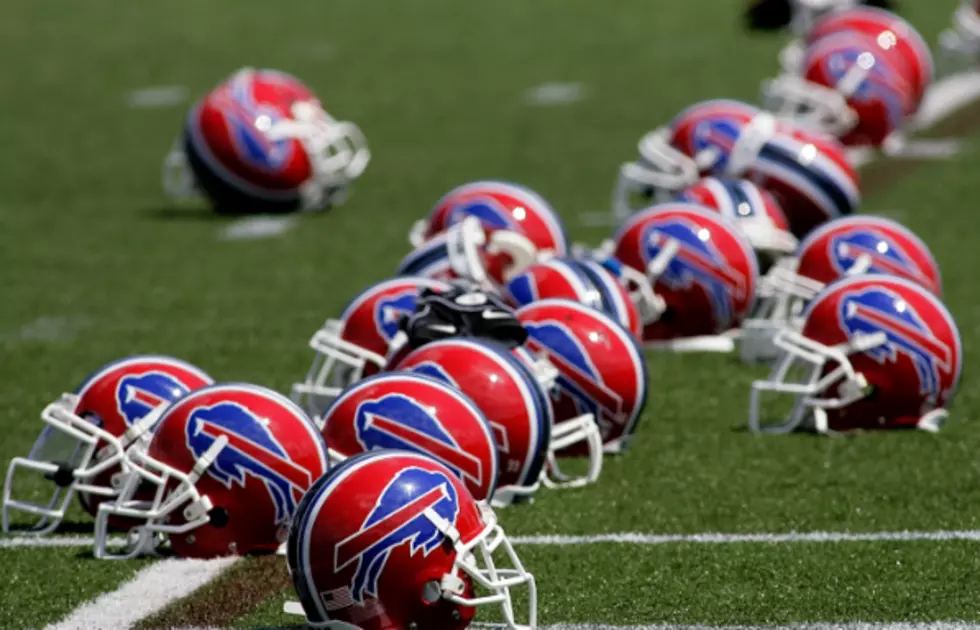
(97, 264)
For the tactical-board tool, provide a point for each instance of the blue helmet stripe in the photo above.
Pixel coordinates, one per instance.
(820, 180)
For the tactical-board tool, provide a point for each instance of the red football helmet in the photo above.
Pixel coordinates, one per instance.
(879, 352)
(506, 391)
(756, 212)
(261, 142)
(895, 37)
(601, 372)
(699, 264)
(582, 280)
(392, 539)
(712, 137)
(411, 412)
(357, 344)
(840, 248)
(808, 173)
(850, 86)
(227, 464)
(87, 433)
(467, 251)
(500, 206)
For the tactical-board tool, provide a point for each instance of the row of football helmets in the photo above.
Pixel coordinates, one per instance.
(498, 352)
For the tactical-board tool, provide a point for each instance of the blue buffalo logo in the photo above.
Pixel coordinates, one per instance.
(398, 518)
(884, 254)
(879, 310)
(523, 288)
(697, 263)
(436, 371)
(243, 116)
(398, 422)
(879, 85)
(718, 134)
(252, 451)
(578, 377)
(139, 394)
(489, 211)
(388, 311)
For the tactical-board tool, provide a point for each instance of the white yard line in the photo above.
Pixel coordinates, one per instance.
(157, 97)
(253, 228)
(818, 625)
(150, 590)
(48, 329)
(551, 94)
(52, 541)
(635, 538)
(628, 538)
(857, 625)
(945, 96)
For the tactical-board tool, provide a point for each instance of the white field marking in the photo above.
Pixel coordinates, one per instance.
(938, 149)
(844, 625)
(48, 329)
(629, 538)
(253, 228)
(14, 542)
(549, 94)
(945, 96)
(636, 538)
(821, 625)
(157, 97)
(150, 590)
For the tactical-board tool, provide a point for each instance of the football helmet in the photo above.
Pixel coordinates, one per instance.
(227, 465)
(699, 264)
(755, 211)
(392, 539)
(601, 372)
(714, 137)
(468, 252)
(582, 280)
(357, 343)
(411, 412)
(963, 39)
(808, 173)
(261, 142)
(499, 206)
(874, 351)
(507, 392)
(849, 86)
(896, 38)
(840, 248)
(85, 434)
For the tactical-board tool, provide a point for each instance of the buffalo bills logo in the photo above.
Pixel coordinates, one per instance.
(249, 123)
(523, 288)
(578, 377)
(879, 310)
(436, 371)
(398, 422)
(716, 134)
(400, 517)
(488, 210)
(139, 394)
(884, 254)
(252, 451)
(697, 262)
(880, 85)
(388, 311)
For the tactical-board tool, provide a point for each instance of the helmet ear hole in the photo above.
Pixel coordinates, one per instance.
(218, 517)
(431, 592)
